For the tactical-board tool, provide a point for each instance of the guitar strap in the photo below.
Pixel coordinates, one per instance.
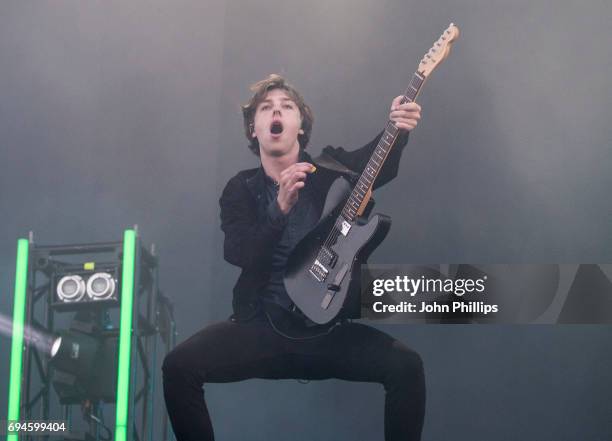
(327, 161)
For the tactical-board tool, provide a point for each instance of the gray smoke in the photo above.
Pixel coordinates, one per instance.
(40, 340)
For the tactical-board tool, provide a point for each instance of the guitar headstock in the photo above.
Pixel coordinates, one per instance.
(439, 51)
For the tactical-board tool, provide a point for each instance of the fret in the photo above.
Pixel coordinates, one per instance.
(415, 85)
(377, 159)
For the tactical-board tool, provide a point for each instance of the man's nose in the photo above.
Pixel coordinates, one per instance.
(276, 111)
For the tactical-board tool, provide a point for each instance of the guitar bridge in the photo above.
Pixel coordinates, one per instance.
(319, 271)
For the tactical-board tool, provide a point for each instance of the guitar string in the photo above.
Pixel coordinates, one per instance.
(335, 232)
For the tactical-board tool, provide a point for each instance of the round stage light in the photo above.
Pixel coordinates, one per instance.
(74, 352)
(71, 288)
(101, 286)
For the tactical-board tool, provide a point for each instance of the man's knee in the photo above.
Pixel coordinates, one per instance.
(404, 365)
(172, 364)
(176, 366)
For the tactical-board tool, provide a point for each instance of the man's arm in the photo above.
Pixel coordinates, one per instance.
(248, 242)
(357, 160)
(406, 117)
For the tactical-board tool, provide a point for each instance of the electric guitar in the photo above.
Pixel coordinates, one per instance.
(323, 269)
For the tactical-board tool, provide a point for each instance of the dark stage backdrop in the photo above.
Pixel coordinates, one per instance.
(116, 113)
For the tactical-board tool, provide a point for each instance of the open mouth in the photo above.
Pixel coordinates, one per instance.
(276, 128)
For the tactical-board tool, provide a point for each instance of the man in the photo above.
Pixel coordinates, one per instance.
(264, 213)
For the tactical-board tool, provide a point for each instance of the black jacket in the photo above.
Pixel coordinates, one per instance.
(250, 232)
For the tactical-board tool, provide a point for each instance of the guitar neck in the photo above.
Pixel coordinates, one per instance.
(361, 192)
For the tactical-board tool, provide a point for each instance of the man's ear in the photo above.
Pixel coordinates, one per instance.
(301, 131)
(252, 128)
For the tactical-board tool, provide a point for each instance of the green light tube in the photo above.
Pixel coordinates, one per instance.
(125, 335)
(19, 309)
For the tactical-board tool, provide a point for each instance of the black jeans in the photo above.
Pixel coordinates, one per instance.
(232, 351)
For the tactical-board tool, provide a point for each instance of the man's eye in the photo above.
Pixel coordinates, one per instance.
(264, 107)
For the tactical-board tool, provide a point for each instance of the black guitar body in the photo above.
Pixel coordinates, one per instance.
(320, 282)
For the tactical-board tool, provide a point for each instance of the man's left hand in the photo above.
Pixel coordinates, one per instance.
(405, 116)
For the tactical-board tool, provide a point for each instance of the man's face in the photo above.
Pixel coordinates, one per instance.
(277, 124)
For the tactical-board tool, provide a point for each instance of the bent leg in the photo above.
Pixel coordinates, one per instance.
(362, 353)
(222, 352)
(228, 351)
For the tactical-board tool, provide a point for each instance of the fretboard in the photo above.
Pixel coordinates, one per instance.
(378, 158)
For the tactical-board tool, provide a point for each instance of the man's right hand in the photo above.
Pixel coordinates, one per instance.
(291, 181)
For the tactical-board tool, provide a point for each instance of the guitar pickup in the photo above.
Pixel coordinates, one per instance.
(327, 257)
